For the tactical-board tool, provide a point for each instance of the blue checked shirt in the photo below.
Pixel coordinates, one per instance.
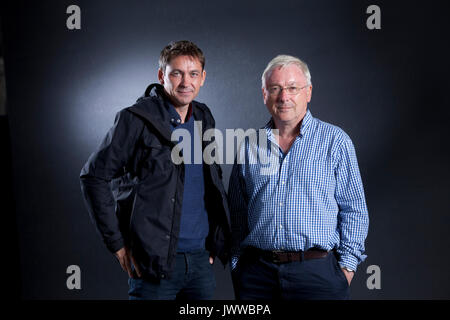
(311, 197)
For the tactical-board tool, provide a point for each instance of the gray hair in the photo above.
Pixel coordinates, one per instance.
(283, 61)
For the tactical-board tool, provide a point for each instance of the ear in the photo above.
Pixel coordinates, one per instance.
(264, 92)
(161, 76)
(203, 78)
(309, 93)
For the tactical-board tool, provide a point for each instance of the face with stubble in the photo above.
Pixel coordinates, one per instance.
(182, 79)
(287, 94)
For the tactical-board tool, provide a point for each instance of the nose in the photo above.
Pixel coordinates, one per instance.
(184, 80)
(283, 95)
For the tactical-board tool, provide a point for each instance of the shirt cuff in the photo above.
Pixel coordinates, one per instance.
(348, 261)
(234, 262)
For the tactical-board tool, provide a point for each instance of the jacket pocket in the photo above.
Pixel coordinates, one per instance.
(156, 158)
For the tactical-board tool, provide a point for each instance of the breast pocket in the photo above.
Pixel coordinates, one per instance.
(315, 175)
(156, 157)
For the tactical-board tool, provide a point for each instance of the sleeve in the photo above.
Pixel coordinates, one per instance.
(106, 163)
(238, 204)
(353, 217)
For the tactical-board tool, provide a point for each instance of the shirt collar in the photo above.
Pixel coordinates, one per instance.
(306, 123)
(175, 118)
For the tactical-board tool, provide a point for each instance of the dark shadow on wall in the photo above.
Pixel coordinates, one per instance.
(10, 252)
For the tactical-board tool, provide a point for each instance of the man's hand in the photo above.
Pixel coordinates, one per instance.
(211, 260)
(349, 275)
(125, 259)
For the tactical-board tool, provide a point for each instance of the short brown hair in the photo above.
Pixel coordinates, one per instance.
(180, 48)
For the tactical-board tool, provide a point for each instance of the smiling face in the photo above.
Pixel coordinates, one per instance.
(285, 108)
(182, 80)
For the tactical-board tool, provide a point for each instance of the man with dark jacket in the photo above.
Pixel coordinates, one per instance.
(164, 221)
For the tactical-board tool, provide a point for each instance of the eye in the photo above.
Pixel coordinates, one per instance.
(274, 89)
(194, 74)
(175, 73)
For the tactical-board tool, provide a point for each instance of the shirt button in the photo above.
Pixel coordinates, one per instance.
(172, 120)
(173, 199)
(281, 204)
(178, 120)
(167, 236)
(282, 183)
(281, 226)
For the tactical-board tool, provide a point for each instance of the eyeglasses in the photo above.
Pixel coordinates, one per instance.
(291, 90)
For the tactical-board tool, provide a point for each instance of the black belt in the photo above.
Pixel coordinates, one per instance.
(279, 256)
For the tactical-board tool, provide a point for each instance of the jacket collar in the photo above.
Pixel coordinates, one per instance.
(154, 107)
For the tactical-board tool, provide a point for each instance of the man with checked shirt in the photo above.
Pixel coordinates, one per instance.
(299, 230)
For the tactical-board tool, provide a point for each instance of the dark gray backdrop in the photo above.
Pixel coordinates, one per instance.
(388, 89)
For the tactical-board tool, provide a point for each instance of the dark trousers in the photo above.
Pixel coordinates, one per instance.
(192, 279)
(317, 279)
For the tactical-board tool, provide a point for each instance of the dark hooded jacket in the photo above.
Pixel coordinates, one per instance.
(134, 192)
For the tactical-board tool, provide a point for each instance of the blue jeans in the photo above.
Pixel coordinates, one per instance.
(317, 279)
(192, 279)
